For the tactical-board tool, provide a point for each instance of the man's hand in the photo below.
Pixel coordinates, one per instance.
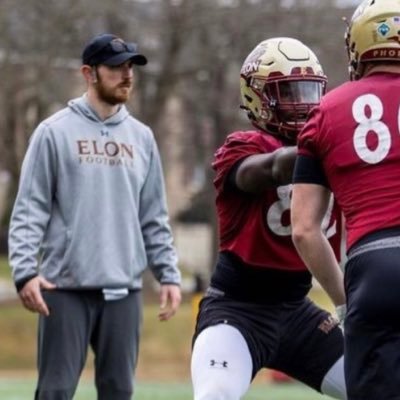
(31, 295)
(170, 298)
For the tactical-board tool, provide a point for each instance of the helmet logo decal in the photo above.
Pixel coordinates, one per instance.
(253, 61)
(384, 53)
(250, 67)
(383, 29)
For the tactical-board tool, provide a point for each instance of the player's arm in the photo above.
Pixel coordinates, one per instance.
(260, 171)
(309, 204)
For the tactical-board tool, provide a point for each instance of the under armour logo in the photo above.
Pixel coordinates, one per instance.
(219, 364)
(104, 132)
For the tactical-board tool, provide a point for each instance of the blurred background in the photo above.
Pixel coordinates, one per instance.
(188, 94)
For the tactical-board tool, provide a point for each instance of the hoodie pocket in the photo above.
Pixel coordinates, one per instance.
(55, 256)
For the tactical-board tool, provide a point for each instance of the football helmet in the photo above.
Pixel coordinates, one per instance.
(373, 34)
(280, 81)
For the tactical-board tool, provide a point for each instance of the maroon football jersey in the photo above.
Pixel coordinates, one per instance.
(355, 135)
(257, 227)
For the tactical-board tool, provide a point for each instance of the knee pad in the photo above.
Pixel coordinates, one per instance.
(221, 364)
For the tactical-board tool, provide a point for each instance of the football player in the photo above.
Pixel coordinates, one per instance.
(256, 312)
(351, 146)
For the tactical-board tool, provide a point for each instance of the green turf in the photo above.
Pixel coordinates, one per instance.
(22, 389)
(5, 270)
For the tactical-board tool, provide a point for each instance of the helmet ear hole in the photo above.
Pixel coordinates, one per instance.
(251, 116)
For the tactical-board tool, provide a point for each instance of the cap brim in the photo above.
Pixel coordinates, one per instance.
(138, 59)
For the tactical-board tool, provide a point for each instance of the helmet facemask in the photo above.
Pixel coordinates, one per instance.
(290, 101)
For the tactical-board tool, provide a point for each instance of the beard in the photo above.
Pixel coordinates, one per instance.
(114, 95)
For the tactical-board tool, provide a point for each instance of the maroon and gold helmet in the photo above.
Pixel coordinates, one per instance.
(280, 81)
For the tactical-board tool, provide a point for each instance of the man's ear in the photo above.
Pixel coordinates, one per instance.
(89, 73)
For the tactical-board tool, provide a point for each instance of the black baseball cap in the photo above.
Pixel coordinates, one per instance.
(111, 50)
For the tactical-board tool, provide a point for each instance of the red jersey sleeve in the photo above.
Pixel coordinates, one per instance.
(237, 146)
(308, 137)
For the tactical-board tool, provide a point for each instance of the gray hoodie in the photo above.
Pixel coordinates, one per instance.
(91, 209)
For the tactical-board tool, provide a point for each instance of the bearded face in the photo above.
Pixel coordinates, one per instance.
(114, 85)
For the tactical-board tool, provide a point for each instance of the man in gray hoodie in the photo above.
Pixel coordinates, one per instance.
(89, 217)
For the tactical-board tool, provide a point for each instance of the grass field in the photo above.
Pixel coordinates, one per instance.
(22, 389)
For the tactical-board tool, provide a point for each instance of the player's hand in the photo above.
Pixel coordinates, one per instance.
(170, 299)
(31, 295)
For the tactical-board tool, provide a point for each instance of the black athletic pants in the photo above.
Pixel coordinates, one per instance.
(372, 325)
(79, 319)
